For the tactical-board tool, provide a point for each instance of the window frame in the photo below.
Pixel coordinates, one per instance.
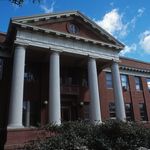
(148, 83)
(129, 111)
(112, 110)
(126, 82)
(143, 112)
(86, 109)
(109, 82)
(138, 83)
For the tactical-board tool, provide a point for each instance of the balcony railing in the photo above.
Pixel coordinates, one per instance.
(70, 89)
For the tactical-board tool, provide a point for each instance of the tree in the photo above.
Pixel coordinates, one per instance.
(20, 2)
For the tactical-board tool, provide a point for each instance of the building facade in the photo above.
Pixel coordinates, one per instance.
(61, 67)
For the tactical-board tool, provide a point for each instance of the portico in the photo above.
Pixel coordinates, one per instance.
(55, 44)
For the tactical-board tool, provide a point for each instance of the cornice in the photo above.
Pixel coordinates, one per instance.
(66, 35)
(134, 69)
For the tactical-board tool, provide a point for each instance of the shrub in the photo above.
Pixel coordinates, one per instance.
(110, 135)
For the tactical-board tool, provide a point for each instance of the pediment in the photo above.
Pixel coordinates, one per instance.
(73, 23)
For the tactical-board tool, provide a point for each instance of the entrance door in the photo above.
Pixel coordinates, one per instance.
(66, 113)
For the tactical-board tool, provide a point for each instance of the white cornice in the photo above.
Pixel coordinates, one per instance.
(57, 33)
(135, 69)
(70, 45)
(133, 72)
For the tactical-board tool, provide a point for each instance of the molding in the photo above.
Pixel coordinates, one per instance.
(21, 43)
(67, 35)
(65, 45)
(56, 49)
(129, 72)
(135, 69)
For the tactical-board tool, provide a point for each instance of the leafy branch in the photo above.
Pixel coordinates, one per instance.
(20, 2)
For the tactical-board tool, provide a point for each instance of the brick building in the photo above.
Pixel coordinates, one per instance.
(49, 66)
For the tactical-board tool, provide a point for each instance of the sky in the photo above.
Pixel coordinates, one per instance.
(126, 20)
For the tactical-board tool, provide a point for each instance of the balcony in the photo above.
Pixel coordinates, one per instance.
(70, 89)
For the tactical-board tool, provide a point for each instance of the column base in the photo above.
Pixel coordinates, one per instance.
(15, 126)
(96, 122)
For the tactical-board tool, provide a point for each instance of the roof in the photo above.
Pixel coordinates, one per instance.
(134, 63)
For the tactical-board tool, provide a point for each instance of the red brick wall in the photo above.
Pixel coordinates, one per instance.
(130, 96)
(83, 30)
(134, 63)
(5, 92)
(146, 94)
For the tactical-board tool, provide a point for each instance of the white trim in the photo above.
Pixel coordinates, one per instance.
(65, 45)
(50, 31)
(133, 73)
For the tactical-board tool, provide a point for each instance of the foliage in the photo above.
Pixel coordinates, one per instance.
(20, 2)
(111, 135)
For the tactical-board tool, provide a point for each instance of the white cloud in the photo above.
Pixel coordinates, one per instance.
(114, 24)
(133, 21)
(47, 9)
(128, 49)
(111, 22)
(140, 11)
(145, 41)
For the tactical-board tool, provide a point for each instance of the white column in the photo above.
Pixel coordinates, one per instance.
(16, 95)
(54, 89)
(27, 114)
(119, 102)
(95, 113)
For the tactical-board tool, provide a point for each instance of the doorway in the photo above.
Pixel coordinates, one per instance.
(69, 108)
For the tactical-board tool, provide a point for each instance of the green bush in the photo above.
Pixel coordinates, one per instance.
(110, 135)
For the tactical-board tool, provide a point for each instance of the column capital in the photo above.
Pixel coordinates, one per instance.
(20, 43)
(93, 57)
(115, 61)
(59, 50)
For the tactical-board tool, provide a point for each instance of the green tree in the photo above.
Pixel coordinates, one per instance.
(20, 2)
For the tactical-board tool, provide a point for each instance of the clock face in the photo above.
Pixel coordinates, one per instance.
(72, 28)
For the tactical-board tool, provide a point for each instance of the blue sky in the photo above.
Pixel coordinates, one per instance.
(127, 20)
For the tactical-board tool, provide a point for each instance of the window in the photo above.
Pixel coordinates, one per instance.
(86, 112)
(1, 69)
(68, 80)
(129, 111)
(138, 84)
(109, 80)
(143, 112)
(148, 84)
(84, 82)
(28, 76)
(124, 82)
(112, 110)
